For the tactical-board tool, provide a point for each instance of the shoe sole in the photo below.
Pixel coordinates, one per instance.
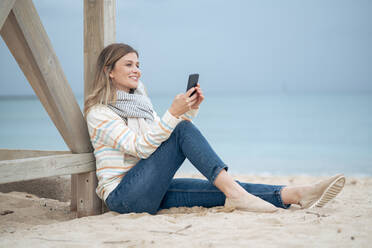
(331, 192)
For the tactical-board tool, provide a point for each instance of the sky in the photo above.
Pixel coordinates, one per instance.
(236, 46)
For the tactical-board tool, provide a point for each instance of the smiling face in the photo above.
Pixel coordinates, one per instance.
(126, 72)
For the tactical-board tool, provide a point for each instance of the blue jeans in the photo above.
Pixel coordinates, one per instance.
(149, 186)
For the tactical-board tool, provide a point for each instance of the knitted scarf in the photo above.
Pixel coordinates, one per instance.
(136, 105)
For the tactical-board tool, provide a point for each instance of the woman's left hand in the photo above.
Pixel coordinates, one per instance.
(199, 98)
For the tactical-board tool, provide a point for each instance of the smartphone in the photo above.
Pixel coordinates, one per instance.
(193, 80)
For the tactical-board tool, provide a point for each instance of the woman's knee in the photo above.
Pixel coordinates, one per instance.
(185, 126)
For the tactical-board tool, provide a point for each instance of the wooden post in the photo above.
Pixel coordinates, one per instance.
(99, 31)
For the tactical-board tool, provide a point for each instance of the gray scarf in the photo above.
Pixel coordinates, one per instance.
(136, 105)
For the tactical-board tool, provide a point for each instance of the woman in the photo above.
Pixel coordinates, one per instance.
(137, 152)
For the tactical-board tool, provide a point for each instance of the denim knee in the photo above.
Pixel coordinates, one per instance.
(184, 125)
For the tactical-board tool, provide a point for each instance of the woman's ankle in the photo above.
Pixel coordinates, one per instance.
(291, 194)
(228, 186)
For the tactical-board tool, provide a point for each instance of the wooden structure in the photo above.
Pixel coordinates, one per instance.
(25, 36)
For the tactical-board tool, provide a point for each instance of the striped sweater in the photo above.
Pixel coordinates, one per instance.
(118, 148)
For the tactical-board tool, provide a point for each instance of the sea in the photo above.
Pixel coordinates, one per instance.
(253, 133)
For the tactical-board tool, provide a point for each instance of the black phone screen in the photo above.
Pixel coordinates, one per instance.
(193, 80)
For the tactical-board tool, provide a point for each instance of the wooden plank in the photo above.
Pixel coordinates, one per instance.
(6, 154)
(39, 167)
(5, 8)
(28, 42)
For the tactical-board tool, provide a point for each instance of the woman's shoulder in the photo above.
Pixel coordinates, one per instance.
(98, 109)
(101, 112)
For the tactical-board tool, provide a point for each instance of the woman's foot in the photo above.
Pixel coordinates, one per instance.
(321, 193)
(316, 195)
(250, 203)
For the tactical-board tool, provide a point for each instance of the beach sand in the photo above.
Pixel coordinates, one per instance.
(27, 220)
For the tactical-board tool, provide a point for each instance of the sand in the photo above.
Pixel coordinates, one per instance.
(40, 222)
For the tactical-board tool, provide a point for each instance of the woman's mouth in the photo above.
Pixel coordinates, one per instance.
(135, 78)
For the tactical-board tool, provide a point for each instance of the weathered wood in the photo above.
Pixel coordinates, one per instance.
(6, 154)
(39, 167)
(73, 203)
(28, 42)
(5, 8)
(15, 40)
(99, 31)
(88, 203)
(109, 22)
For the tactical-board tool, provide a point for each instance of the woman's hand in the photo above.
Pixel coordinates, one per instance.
(184, 102)
(199, 98)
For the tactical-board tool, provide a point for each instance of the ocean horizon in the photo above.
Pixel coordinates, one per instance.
(253, 133)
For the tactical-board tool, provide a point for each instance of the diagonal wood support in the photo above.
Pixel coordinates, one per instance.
(5, 8)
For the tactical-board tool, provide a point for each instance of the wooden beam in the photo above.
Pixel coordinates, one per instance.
(109, 22)
(28, 42)
(99, 31)
(6, 154)
(88, 201)
(39, 167)
(5, 8)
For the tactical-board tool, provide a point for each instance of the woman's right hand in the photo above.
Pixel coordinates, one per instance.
(182, 103)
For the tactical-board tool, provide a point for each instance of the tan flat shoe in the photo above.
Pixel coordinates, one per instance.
(323, 192)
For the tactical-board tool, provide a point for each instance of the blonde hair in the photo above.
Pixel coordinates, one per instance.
(103, 91)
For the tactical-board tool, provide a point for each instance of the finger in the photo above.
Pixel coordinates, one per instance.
(200, 99)
(193, 97)
(190, 91)
(198, 90)
(191, 103)
(199, 93)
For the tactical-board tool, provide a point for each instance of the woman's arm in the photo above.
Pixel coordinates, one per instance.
(107, 129)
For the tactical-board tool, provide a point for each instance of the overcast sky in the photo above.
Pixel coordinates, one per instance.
(236, 46)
